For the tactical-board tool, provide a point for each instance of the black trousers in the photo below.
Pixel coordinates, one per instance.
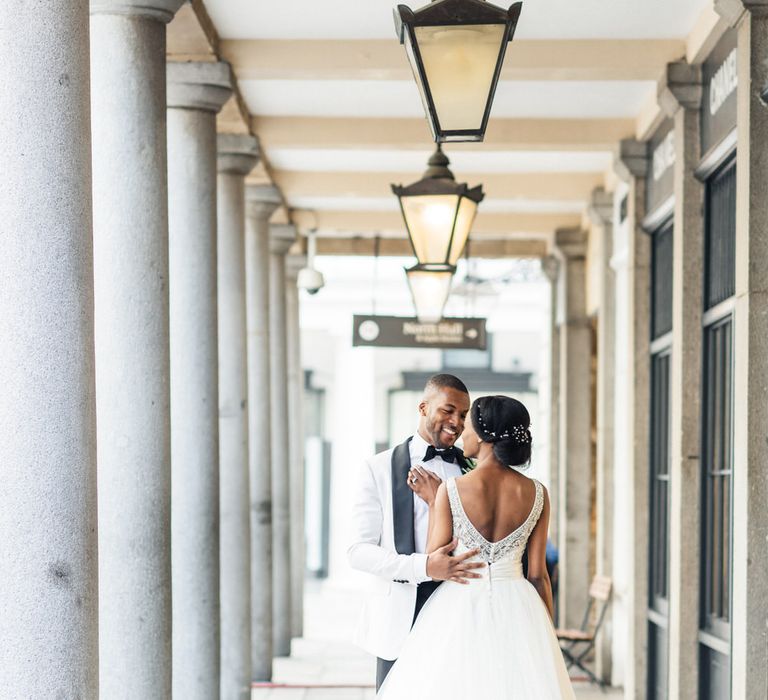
(423, 591)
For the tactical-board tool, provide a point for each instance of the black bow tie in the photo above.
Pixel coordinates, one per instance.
(449, 454)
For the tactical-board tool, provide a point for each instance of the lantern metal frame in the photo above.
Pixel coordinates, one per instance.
(438, 180)
(447, 13)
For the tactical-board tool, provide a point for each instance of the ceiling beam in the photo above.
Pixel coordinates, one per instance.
(400, 247)
(570, 187)
(514, 225)
(413, 134)
(383, 59)
(190, 35)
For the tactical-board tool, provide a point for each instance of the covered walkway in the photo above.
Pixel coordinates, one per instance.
(179, 424)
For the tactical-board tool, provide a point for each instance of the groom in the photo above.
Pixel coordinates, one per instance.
(390, 521)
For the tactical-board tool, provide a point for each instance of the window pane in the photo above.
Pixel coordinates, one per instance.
(717, 463)
(659, 478)
(720, 247)
(661, 282)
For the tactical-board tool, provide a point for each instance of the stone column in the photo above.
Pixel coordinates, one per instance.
(130, 214)
(680, 93)
(237, 157)
(48, 552)
(575, 454)
(601, 218)
(261, 202)
(294, 263)
(551, 267)
(749, 627)
(281, 239)
(632, 369)
(196, 92)
(631, 262)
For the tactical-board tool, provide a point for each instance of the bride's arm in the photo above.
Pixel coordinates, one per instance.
(537, 558)
(440, 532)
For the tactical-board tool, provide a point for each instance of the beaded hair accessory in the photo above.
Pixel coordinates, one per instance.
(517, 433)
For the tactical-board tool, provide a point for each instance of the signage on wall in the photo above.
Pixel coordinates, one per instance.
(721, 81)
(664, 156)
(661, 175)
(399, 332)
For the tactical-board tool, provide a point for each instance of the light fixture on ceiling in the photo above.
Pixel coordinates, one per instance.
(309, 278)
(430, 286)
(456, 49)
(438, 212)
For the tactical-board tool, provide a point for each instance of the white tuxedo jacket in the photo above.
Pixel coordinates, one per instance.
(384, 545)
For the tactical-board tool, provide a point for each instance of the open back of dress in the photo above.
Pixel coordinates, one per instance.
(491, 638)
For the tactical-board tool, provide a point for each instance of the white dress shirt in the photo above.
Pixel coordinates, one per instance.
(445, 470)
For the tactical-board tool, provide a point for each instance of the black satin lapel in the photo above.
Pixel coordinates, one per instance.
(402, 500)
(461, 461)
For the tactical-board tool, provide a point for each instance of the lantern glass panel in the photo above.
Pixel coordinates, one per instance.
(430, 292)
(464, 221)
(430, 221)
(460, 66)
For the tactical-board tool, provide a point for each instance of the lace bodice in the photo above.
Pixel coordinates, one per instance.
(492, 552)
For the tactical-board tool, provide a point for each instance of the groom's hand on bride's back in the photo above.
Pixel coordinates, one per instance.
(441, 566)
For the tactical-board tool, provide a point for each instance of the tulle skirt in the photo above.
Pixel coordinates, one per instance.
(489, 640)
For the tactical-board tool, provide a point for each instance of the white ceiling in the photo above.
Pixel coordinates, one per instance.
(389, 203)
(352, 161)
(389, 98)
(372, 19)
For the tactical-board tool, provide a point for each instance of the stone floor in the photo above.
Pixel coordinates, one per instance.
(324, 665)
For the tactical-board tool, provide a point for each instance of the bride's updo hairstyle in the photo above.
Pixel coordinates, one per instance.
(505, 423)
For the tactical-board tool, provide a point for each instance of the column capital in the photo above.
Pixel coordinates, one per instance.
(262, 200)
(199, 85)
(631, 159)
(161, 10)
(681, 87)
(293, 264)
(571, 243)
(600, 208)
(281, 238)
(237, 153)
(733, 10)
(550, 266)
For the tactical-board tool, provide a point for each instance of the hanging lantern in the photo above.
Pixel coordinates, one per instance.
(438, 212)
(456, 49)
(430, 286)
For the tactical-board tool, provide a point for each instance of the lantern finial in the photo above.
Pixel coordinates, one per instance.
(438, 166)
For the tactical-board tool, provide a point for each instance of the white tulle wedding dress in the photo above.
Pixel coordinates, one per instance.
(489, 640)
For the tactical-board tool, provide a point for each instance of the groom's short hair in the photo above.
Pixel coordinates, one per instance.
(445, 381)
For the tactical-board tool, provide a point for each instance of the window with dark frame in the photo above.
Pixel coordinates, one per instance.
(661, 281)
(659, 539)
(659, 461)
(717, 434)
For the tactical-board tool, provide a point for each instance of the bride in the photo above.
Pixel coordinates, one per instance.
(491, 638)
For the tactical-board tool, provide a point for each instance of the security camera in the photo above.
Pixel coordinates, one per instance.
(311, 280)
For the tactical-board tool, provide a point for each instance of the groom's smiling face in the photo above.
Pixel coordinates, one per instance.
(443, 412)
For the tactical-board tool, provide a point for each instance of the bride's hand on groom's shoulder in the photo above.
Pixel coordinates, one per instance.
(441, 566)
(424, 484)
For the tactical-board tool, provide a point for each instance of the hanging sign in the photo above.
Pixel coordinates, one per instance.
(660, 181)
(398, 332)
(718, 108)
